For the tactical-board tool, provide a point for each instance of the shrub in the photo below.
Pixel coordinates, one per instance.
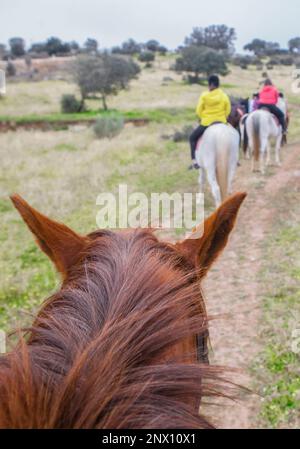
(244, 61)
(167, 79)
(183, 135)
(147, 56)
(10, 69)
(70, 104)
(109, 126)
(287, 60)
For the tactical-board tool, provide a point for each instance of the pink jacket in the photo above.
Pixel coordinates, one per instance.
(269, 95)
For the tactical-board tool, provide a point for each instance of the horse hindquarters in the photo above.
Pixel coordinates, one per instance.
(226, 160)
(219, 155)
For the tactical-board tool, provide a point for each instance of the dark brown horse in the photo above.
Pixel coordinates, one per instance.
(118, 345)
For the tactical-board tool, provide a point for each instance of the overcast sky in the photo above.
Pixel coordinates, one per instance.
(169, 21)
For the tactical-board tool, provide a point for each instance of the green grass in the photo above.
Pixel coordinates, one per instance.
(165, 115)
(138, 157)
(55, 117)
(17, 302)
(4, 205)
(65, 147)
(278, 365)
(284, 400)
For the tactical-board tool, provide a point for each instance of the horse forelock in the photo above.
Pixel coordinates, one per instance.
(92, 358)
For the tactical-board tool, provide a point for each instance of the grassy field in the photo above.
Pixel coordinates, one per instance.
(62, 172)
(34, 164)
(278, 364)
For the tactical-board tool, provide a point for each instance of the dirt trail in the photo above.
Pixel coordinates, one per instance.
(233, 287)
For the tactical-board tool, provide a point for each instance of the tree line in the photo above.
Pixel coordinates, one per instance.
(54, 46)
(216, 37)
(100, 73)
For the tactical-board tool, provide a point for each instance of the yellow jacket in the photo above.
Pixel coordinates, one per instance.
(213, 106)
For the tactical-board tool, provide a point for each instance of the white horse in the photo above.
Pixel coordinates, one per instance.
(261, 127)
(218, 155)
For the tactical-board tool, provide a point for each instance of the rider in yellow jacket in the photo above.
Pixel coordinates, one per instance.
(213, 107)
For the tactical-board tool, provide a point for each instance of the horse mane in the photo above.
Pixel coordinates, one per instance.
(96, 355)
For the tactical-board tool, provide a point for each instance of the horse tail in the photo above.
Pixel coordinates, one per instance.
(223, 149)
(245, 138)
(256, 136)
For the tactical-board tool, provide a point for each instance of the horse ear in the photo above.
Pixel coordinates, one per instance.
(60, 243)
(203, 250)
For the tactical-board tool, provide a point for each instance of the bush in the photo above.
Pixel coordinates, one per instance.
(10, 69)
(146, 56)
(183, 135)
(109, 126)
(286, 60)
(244, 61)
(70, 104)
(201, 61)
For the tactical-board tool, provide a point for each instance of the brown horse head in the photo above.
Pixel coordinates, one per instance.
(116, 347)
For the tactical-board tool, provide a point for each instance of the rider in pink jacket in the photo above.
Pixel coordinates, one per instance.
(269, 95)
(268, 98)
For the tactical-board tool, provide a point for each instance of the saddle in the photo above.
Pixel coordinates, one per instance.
(273, 115)
(200, 139)
(276, 120)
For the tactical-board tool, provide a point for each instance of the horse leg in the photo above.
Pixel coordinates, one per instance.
(268, 154)
(201, 183)
(251, 156)
(201, 179)
(212, 179)
(247, 154)
(277, 150)
(231, 174)
(262, 163)
(262, 155)
(252, 164)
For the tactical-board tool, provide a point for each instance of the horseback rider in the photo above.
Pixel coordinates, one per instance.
(213, 107)
(254, 103)
(268, 99)
(282, 104)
